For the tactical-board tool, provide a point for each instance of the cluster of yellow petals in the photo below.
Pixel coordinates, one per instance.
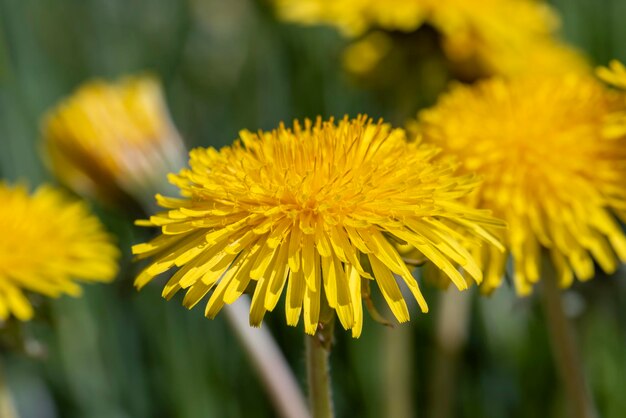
(499, 35)
(615, 75)
(109, 138)
(48, 241)
(317, 209)
(549, 170)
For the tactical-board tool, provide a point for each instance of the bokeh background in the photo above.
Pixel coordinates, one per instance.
(225, 66)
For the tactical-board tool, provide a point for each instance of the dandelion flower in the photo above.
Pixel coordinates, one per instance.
(113, 139)
(549, 171)
(48, 243)
(498, 35)
(316, 209)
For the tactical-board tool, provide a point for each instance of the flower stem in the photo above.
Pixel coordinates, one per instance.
(451, 336)
(565, 350)
(317, 354)
(398, 366)
(7, 408)
(268, 361)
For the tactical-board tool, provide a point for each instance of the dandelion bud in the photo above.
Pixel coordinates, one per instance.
(112, 141)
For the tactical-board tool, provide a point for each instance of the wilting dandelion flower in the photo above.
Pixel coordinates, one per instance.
(315, 209)
(48, 243)
(549, 170)
(112, 139)
(500, 36)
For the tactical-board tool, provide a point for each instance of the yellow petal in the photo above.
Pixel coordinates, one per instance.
(354, 280)
(295, 294)
(312, 299)
(257, 308)
(294, 248)
(390, 290)
(277, 278)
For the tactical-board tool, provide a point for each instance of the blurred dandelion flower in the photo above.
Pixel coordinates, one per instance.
(499, 35)
(317, 209)
(548, 170)
(48, 242)
(113, 140)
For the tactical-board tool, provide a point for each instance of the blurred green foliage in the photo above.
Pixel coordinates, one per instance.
(229, 65)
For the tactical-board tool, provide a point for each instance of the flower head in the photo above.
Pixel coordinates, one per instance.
(499, 36)
(113, 139)
(315, 209)
(48, 241)
(549, 171)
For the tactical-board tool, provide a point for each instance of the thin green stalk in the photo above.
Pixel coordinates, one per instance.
(7, 408)
(317, 354)
(450, 335)
(565, 349)
(398, 367)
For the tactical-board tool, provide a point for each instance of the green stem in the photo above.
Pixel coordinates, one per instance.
(451, 335)
(317, 354)
(7, 408)
(565, 350)
(398, 367)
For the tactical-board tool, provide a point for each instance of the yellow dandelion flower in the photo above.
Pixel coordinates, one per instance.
(500, 36)
(548, 170)
(48, 242)
(112, 139)
(315, 209)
